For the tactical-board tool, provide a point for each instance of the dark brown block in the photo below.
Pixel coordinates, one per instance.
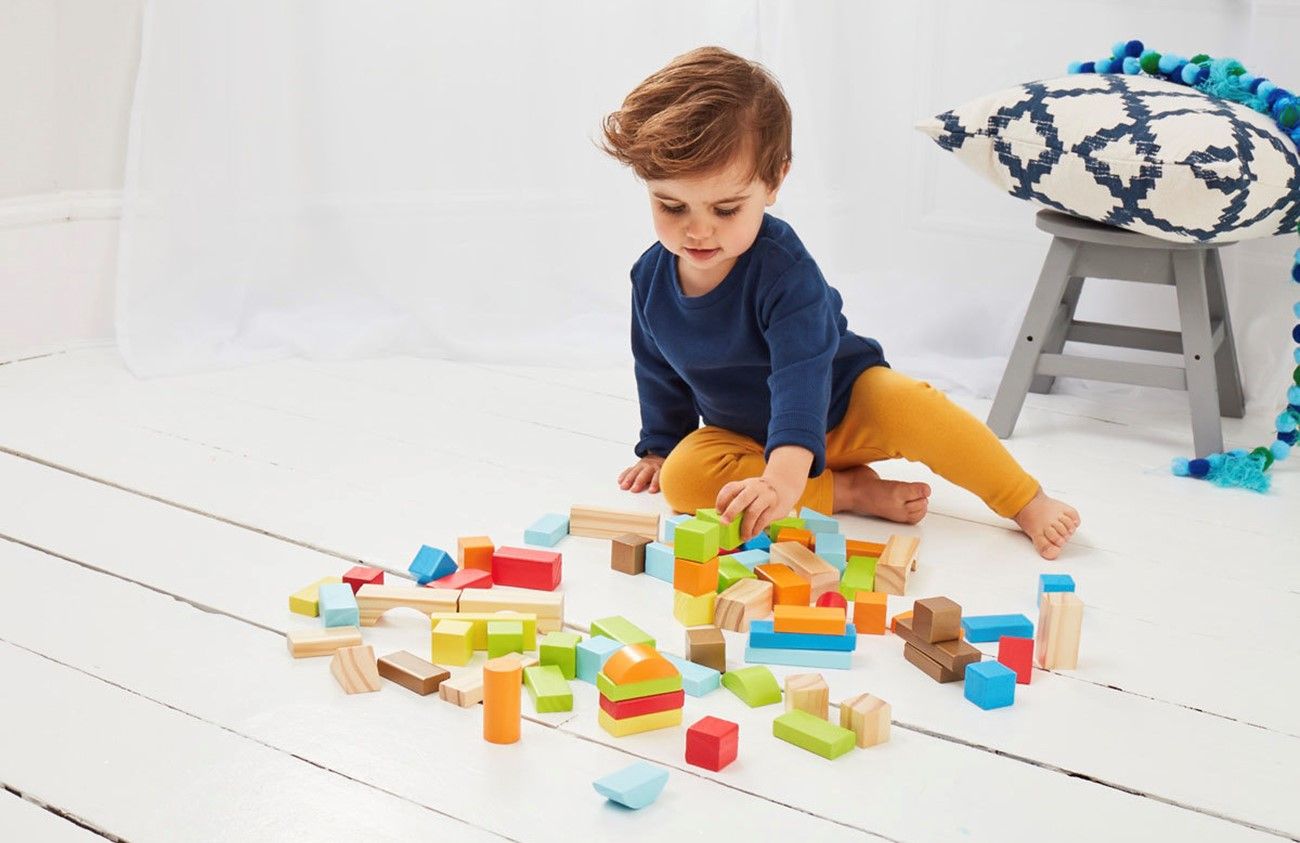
(936, 619)
(705, 645)
(627, 553)
(929, 666)
(412, 672)
(950, 655)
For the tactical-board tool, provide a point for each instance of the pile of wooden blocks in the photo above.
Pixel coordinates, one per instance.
(934, 643)
(864, 719)
(640, 691)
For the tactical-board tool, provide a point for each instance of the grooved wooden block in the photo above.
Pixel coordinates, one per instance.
(869, 610)
(452, 643)
(627, 553)
(354, 668)
(543, 604)
(600, 523)
(807, 692)
(304, 601)
(307, 643)
(694, 609)
(815, 620)
(936, 619)
(821, 575)
(412, 672)
(895, 563)
(756, 686)
(868, 717)
(637, 663)
(502, 678)
(526, 567)
(712, 743)
(951, 655)
(787, 586)
(374, 600)
(635, 725)
(695, 578)
(621, 630)
(743, 602)
(360, 575)
(548, 688)
(1060, 621)
(475, 552)
(813, 734)
(705, 645)
(929, 666)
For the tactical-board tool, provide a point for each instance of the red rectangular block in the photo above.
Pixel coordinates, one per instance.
(1017, 654)
(712, 743)
(360, 575)
(464, 578)
(525, 567)
(637, 706)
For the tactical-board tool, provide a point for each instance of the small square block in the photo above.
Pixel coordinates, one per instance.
(592, 655)
(452, 643)
(869, 610)
(504, 637)
(338, 605)
(712, 743)
(1049, 583)
(705, 645)
(936, 619)
(431, 563)
(695, 578)
(728, 534)
(1017, 654)
(990, 685)
(627, 553)
(796, 535)
(696, 540)
(475, 552)
(670, 526)
(560, 649)
(360, 575)
(859, 575)
(694, 609)
(659, 561)
(547, 530)
(787, 586)
(731, 572)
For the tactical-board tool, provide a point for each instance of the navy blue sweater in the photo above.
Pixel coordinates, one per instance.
(767, 353)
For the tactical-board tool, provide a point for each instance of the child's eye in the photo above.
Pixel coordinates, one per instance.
(727, 212)
(672, 209)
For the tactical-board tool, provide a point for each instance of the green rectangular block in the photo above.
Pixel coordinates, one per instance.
(756, 686)
(548, 688)
(561, 650)
(731, 572)
(859, 575)
(504, 637)
(650, 687)
(696, 540)
(621, 630)
(813, 733)
(728, 534)
(780, 524)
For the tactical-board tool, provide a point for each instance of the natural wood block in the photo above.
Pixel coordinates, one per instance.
(821, 575)
(502, 679)
(896, 561)
(742, 603)
(627, 553)
(374, 600)
(929, 666)
(452, 643)
(706, 645)
(951, 655)
(936, 619)
(787, 586)
(548, 625)
(466, 689)
(694, 609)
(504, 598)
(807, 692)
(412, 672)
(857, 547)
(795, 535)
(600, 523)
(637, 663)
(869, 718)
(305, 601)
(354, 668)
(695, 578)
(815, 620)
(475, 552)
(869, 610)
(1060, 622)
(310, 642)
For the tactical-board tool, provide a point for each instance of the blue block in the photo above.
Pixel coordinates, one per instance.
(762, 541)
(338, 605)
(547, 530)
(799, 658)
(750, 558)
(981, 629)
(635, 786)
(592, 655)
(761, 635)
(831, 547)
(697, 679)
(990, 684)
(430, 564)
(670, 526)
(659, 561)
(1054, 582)
(815, 522)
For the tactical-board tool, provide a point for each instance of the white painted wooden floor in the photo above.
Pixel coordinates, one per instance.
(151, 531)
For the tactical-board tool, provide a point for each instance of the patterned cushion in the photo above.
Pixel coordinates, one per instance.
(1133, 151)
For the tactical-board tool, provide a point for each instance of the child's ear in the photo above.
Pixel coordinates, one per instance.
(771, 194)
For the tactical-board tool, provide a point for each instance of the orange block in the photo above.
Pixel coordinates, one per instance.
(695, 578)
(475, 552)
(893, 622)
(818, 620)
(502, 678)
(869, 609)
(637, 663)
(854, 547)
(794, 534)
(788, 588)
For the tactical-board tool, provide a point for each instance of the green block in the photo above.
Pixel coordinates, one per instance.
(780, 524)
(618, 693)
(621, 630)
(561, 650)
(731, 572)
(696, 539)
(755, 685)
(859, 575)
(548, 688)
(504, 637)
(728, 535)
(813, 733)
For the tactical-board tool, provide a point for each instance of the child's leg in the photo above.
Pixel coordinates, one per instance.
(712, 457)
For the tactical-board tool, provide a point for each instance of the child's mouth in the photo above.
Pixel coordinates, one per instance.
(701, 254)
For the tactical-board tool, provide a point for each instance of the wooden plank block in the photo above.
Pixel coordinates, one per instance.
(828, 659)
(627, 553)
(600, 523)
(354, 668)
(951, 655)
(868, 716)
(502, 679)
(929, 666)
(821, 575)
(478, 625)
(705, 645)
(795, 535)
(984, 629)
(638, 706)
(527, 567)
(307, 642)
(807, 692)
(787, 586)
(936, 619)
(304, 601)
(636, 725)
(1060, 622)
(547, 530)
(620, 629)
(548, 688)
(543, 604)
(644, 688)
(374, 600)
(742, 603)
(762, 636)
(895, 563)
(412, 672)
(812, 620)
(813, 734)
(858, 547)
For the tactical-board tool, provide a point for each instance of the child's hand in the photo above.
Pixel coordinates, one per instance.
(644, 474)
(761, 499)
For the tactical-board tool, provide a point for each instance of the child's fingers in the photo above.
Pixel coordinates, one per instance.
(756, 519)
(639, 481)
(654, 481)
(725, 495)
(743, 498)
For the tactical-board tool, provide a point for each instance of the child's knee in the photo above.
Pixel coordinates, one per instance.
(681, 481)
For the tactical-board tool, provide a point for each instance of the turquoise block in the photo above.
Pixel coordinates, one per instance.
(815, 522)
(799, 658)
(761, 635)
(670, 526)
(634, 786)
(982, 629)
(547, 530)
(659, 561)
(990, 684)
(832, 548)
(762, 541)
(592, 655)
(338, 605)
(430, 564)
(751, 558)
(1054, 582)
(697, 679)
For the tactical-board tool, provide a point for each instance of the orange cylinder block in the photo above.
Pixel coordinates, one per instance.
(502, 682)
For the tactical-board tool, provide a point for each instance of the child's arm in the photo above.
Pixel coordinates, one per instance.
(763, 500)
(668, 411)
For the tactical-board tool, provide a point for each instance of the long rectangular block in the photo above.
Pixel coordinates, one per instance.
(762, 635)
(548, 688)
(697, 679)
(833, 659)
(338, 605)
(635, 725)
(858, 547)
(815, 620)
(307, 643)
(813, 734)
(982, 629)
(547, 530)
(660, 562)
(463, 578)
(751, 559)
(478, 622)
(820, 574)
(1060, 621)
(621, 629)
(543, 604)
(373, 600)
(305, 601)
(929, 666)
(644, 688)
(816, 522)
(951, 655)
(639, 706)
(526, 567)
(412, 672)
(745, 601)
(597, 522)
(592, 654)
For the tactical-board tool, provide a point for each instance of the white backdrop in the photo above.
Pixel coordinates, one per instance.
(334, 178)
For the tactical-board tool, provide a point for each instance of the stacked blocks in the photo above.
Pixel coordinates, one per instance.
(338, 605)
(803, 636)
(933, 639)
(712, 743)
(774, 529)
(695, 570)
(526, 568)
(990, 685)
(640, 690)
(431, 563)
(547, 530)
(732, 571)
(756, 686)
(728, 534)
(635, 786)
(1049, 583)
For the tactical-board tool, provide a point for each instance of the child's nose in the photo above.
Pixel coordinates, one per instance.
(697, 230)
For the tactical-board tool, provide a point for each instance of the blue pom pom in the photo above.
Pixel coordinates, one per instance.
(1289, 438)
(1295, 273)
(1198, 468)
(1285, 423)
(1275, 95)
(1256, 83)
(1075, 67)
(1295, 136)
(1132, 66)
(1264, 89)
(1293, 395)
(1133, 48)
(1281, 450)
(1279, 105)
(1295, 308)
(1297, 255)
(1194, 74)
(1105, 65)
(1088, 67)
(1295, 334)
(1119, 49)
(1296, 355)
(1179, 467)
(1169, 63)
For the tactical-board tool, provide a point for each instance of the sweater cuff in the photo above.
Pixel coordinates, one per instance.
(659, 445)
(795, 429)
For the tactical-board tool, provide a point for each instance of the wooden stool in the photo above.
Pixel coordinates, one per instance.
(1083, 249)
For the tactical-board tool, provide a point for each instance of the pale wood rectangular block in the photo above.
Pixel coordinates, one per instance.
(373, 600)
(822, 575)
(309, 642)
(1060, 622)
(355, 669)
(745, 601)
(601, 523)
(466, 689)
(868, 716)
(544, 604)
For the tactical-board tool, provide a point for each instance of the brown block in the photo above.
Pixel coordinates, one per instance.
(1060, 621)
(950, 655)
(929, 666)
(412, 672)
(354, 668)
(705, 645)
(743, 602)
(820, 574)
(869, 717)
(627, 553)
(936, 619)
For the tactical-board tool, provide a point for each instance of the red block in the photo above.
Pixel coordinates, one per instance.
(1017, 654)
(464, 578)
(712, 743)
(525, 567)
(360, 575)
(637, 706)
(835, 599)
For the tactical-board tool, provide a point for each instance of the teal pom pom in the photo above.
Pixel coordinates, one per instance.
(1293, 395)
(1170, 62)
(1281, 450)
(1296, 355)
(1286, 422)
(1179, 467)
(1225, 81)
(1119, 49)
(1132, 66)
(1297, 256)
(1265, 88)
(1194, 74)
(1295, 308)
(1075, 67)
(1243, 472)
(1105, 65)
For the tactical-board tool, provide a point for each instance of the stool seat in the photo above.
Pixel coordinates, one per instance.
(1082, 249)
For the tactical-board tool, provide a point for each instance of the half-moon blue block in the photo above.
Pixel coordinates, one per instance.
(982, 629)
(634, 786)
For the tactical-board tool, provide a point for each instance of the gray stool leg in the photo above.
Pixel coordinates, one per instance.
(1055, 342)
(1232, 401)
(1198, 351)
(1043, 307)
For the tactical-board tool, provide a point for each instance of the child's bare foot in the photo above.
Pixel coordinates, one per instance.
(1049, 523)
(860, 490)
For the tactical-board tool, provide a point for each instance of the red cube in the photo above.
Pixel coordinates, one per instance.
(464, 578)
(1017, 654)
(361, 575)
(833, 598)
(526, 568)
(712, 743)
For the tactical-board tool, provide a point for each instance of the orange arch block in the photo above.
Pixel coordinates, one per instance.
(637, 663)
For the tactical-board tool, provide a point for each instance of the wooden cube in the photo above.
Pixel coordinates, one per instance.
(787, 587)
(705, 645)
(869, 610)
(694, 609)
(453, 642)
(695, 578)
(627, 553)
(712, 743)
(868, 717)
(807, 692)
(936, 619)
(504, 637)
(742, 603)
(474, 552)
(795, 534)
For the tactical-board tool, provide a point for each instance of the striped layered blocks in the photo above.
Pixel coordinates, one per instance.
(695, 571)
(803, 636)
(640, 691)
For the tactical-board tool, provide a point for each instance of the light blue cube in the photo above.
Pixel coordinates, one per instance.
(1048, 583)
(762, 541)
(832, 547)
(431, 563)
(547, 530)
(815, 522)
(592, 655)
(752, 558)
(670, 525)
(635, 786)
(697, 679)
(338, 605)
(990, 684)
(659, 561)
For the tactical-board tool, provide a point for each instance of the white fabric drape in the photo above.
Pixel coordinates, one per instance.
(335, 178)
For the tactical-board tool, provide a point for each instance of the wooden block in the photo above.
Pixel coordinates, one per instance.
(478, 624)
(814, 620)
(728, 534)
(901, 616)
(859, 575)
(821, 575)
(546, 626)
(1048, 583)
(304, 601)
(742, 603)
(635, 786)
(696, 540)
(548, 688)
(795, 535)
(464, 578)
(813, 734)
(526, 567)
(929, 666)
(504, 637)
(732, 571)
(697, 680)
(807, 692)
(431, 563)
(762, 636)
(359, 575)
(412, 672)
(374, 600)
(821, 659)
(631, 690)
(307, 643)
(338, 605)
(895, 563)
(1060, 622)
(1018, 654)
(475, 552)
(620, 629)
(774, 529)
(869, 610)
(637, 663)
(705, 645)
(641, 706)
(695, 578)
(936, 619)
(543, 604)
(857, 547)
(833, 599)
(787, 586)
(951, 655)
(659, 561)
(547, 530)
(712, 743)
(592, 655)
(985, 629)
(670, 526)
(502, 678)
(818, 523)
(868, 717)
(599, 523)
(627, 553)
(755, 685)
(464, 690)
(990, 685)
(635, 725)
(452, 643)
(832, 548)
(354, 668)
(694, 609)
(561, 650)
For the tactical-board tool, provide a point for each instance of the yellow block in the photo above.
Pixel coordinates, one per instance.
(478, 622)
(692, 610)
(453, 643)
(305, 601)
(643, 723)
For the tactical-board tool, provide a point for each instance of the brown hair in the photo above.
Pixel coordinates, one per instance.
(697, 114)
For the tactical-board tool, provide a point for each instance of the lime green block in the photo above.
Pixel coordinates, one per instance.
(548, 688)
(649, 687)
(696, 539)
(504, 637)
(755, 685)
(621, 630)
(813, 733)
(560, 649)
(731, 572)
(728, 534)
(859, 575)
(777, 526)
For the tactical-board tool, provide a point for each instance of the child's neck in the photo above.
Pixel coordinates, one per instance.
(698, 282)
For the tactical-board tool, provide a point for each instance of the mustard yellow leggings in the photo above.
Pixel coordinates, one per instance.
(890, 416)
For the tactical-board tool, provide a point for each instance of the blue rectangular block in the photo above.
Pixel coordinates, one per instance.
(659, 561)
(815, 522)
(990, 684)
(1054, 582)
(547, 530)
(751, 558)
(761, 635)
(697, 679)
(831, 547)
(762, 541)
(670, 526)
(981, 629)
(799, 658)
(338, 605)
(592, 655)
